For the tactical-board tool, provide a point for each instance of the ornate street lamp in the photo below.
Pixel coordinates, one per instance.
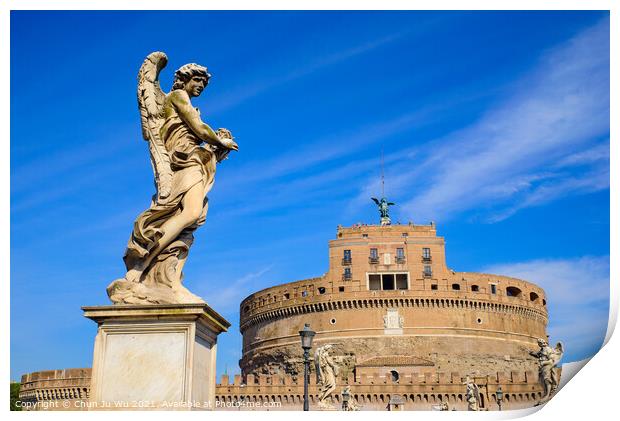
(306, 343)
(500, 397)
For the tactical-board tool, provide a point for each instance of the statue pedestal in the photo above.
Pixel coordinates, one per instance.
(154, 356)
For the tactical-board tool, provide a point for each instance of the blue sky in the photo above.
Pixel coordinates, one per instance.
(495, 125)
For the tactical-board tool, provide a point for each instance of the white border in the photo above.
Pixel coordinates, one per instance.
(593, 392)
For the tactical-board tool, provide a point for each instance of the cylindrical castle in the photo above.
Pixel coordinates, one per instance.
(390, 306)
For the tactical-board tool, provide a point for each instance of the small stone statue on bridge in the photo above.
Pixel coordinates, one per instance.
(472, 395)
(548, 371)
(326, 372)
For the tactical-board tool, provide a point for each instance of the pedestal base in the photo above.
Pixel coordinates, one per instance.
(154, 356)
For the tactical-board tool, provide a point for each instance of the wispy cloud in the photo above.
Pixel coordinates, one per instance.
(555, 118)
(245, 92)
(228, 298)
(577, 293)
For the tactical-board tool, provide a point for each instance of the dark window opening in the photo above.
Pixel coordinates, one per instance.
(493, 289)
(434, 287)
(287, 295)
(347, 273)
(513, 292)
(401, 281)
(533, 296)
(365, 235)
(475, 288)
(374, 282)
(321, 290)
(246, 309)
(544, 302)
(340, 289)
(388, 282)
(456, 287)
(394, 376)
(304, 293)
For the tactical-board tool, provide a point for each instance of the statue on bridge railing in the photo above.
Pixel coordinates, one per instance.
(326, 372)
(548, 371)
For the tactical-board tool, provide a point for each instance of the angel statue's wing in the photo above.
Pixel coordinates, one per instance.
(374, 199)
(151, 104)
(391, 203)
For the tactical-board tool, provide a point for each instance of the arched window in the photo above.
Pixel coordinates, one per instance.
(533, 296)
(394, 376)
(513, 292)
(456, 287)
(475, 288)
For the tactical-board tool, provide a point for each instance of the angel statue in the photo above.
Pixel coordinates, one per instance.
(548, 372)
(184, 151)
(326, 372)
(472, 395)
(384, 209)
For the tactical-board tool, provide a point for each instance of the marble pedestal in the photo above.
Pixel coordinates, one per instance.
(154, 356)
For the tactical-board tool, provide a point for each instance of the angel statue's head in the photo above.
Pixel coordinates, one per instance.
(542, 343)
(191, 77)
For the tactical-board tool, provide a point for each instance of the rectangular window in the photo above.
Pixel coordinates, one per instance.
(347, 255)
(493, 289)
(340, 289)
(374, 282)
(387, 282)
(434, 287)
(374, 254)
(400, 253)
(347, 273)
(428, 271)
(426, 253)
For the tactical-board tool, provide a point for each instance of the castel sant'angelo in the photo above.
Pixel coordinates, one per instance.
(405, 331)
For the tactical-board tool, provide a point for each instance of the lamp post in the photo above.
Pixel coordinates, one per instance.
(500, 397)
(306, 344)
(346, 395)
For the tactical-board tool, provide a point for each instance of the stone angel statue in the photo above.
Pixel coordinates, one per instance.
(548, 371)
(326, 372)
(184, 152)
(472, 395)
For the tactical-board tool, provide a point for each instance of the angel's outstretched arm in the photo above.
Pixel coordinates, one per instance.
(180, 99)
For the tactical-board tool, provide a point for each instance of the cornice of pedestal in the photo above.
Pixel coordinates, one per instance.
(165, 312)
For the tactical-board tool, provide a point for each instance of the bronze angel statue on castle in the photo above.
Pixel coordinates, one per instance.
(184, 152)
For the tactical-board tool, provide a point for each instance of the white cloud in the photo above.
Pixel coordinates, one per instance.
(577, 292)
(554, 119)
(231, 295)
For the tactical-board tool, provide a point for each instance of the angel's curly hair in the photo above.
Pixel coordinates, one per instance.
(188, 71)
